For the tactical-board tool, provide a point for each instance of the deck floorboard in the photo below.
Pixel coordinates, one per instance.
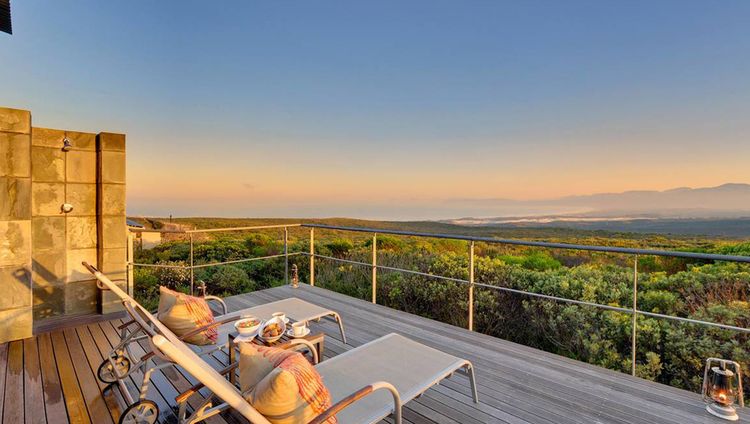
(74, 402)
(54, 401)
(51, 378)
(32, 384)
(13, 410)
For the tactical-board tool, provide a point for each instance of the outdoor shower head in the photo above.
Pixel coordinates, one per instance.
(67, 145)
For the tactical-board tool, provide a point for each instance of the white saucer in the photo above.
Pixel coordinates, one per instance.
(241, 339)
(291, 334)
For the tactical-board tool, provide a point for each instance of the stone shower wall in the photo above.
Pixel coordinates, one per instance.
(41, 247)
(15, 224)
(61, 241)
(112, 241)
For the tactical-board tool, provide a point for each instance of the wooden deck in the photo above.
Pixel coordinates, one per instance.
(51, 377)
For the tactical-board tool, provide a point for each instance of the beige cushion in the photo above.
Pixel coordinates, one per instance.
(183, 313)
(257, 361)
(292, 393)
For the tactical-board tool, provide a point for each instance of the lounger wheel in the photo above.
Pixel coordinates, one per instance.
(106, 371)
(142, 412)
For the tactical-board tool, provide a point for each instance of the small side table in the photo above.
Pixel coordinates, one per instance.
(317, 340)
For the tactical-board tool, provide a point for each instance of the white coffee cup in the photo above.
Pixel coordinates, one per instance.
(299, 328)
(279, 315)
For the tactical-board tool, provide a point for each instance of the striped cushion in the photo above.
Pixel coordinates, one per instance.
(183, 313)
(291, 393)
(258, 361)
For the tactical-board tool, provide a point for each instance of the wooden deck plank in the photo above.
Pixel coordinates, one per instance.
(62, 322)
(95, 404)
(74, 401)
(54, 401)
(94, 359)
(3, 369)
(13, 410)
(33, 392)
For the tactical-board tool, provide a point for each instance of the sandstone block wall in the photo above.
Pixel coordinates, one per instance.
(15, 224)
(41, 246)
(112, 239)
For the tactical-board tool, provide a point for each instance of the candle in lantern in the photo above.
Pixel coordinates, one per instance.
(719, 388)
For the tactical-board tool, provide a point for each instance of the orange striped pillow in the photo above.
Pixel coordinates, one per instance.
(292, 393)
(258, 361)
(183, 313)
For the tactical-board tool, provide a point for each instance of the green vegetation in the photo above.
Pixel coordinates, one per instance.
(669, 352)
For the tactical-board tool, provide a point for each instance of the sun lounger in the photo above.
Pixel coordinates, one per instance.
(120, 363)
(296, 310)
(410, 367)
(367, 383)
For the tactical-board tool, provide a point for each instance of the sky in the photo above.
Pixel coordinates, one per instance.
(395, 109)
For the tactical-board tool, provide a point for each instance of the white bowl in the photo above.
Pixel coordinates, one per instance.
(266, 324)
(247, 331)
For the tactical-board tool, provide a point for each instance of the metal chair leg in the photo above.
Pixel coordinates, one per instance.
(341, 326)
(473, 381)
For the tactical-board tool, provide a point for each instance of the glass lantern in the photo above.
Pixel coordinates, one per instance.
(722, 388)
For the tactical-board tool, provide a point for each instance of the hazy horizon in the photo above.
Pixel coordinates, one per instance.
(730, 200)
(394, 109)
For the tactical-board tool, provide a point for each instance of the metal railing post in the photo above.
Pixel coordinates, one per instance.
(286, 256)
(471, 286)
(192, 273)
(312, 256)
(374, 268)
(635, 314)
(131, 261)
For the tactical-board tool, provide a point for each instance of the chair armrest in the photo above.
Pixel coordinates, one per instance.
(182, 397)
(207, 326)
(219, 300)
(296, 344)
(359, 394)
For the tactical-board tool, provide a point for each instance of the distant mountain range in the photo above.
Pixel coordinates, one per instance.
(724, 199)
(679, 210)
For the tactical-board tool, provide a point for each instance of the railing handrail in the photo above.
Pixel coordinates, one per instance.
(212, 230)
(256, 227)
(152, 230)
(588, 247)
